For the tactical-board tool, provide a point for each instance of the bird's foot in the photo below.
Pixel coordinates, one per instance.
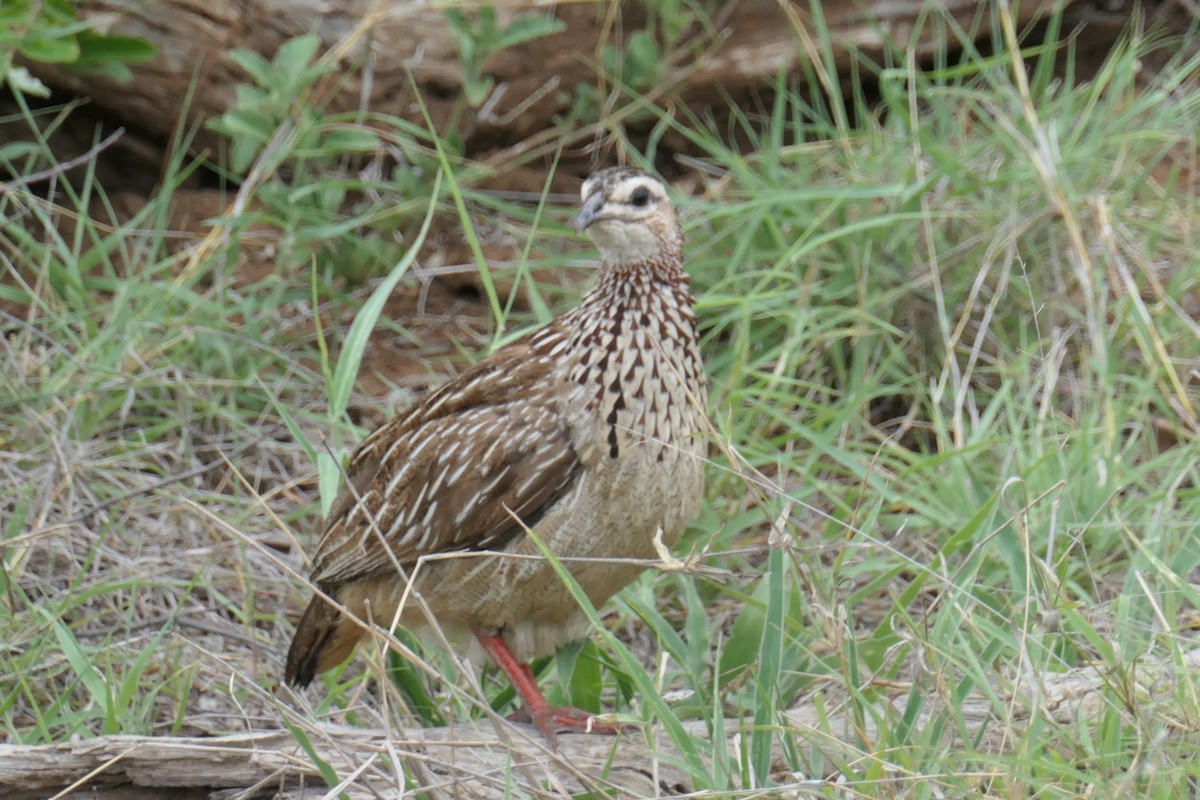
(564, 719)
(552, 720)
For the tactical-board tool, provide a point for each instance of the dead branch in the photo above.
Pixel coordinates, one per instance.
(477, 761)
(753, 41)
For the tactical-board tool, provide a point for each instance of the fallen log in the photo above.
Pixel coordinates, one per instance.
(744, 48)
(482, 761)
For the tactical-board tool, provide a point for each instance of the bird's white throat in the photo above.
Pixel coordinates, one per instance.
(622, 243)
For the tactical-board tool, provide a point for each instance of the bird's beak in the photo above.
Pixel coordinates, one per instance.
(589, 213)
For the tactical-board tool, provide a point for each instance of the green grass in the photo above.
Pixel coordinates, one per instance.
(953, 343)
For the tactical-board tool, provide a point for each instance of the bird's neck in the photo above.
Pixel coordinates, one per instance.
(633, 293)
(622, 278)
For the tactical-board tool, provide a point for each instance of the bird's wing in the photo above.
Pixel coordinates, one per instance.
(442, 478)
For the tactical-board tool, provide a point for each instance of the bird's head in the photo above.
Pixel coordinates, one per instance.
(628, 215)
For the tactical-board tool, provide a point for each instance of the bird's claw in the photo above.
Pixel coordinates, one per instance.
(554, 720)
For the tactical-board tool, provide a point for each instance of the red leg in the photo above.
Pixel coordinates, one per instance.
(549, 720)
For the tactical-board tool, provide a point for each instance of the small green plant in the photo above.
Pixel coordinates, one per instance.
(280, 85)
(480, 38)
(642, 62)
(637, 66)
(51, 32)
(296, 158)
(638, 63)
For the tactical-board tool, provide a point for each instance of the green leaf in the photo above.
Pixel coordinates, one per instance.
(92, 680)
(248, 123)
(350, 140)
(251, 97)
(254, 64)
(461, 29)
(15, 523)
(460, 25)
(327, 232)
(59, 26)
(464, 40)
(289, 420)
(49, 51)
(14, 15)
(329, 480)
(328, 773)
(698, 627)
(741, 649)
(770, 663)
(641, 59)
(58, 12)
(411, 682)
(486, 27)
(611, 58)
(242, 153)
(529, 27)
(477, 89)
(11, 528)
(96, 49)
(579, 673)
(114, 71)
(296, 54)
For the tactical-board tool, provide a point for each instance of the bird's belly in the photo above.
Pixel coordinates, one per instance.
(603, 532)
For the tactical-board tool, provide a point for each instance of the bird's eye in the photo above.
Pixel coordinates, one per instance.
(640, 196)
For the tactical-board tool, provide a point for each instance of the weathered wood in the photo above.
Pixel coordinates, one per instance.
(471, 758)
(476, 762)
(755, 40)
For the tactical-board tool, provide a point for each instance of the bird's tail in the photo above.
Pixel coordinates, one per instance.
(324, 638)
